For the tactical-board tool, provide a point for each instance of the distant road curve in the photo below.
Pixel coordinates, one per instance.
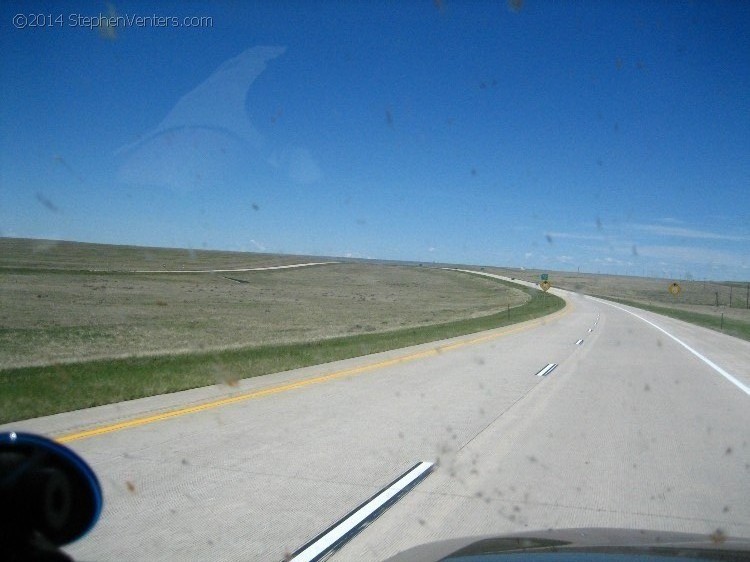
(232, 270)
(501, 277)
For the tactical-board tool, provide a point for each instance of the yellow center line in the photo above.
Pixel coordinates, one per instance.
(183, 411)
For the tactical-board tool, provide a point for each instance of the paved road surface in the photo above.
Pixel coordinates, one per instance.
(267, 268)
(630, 430)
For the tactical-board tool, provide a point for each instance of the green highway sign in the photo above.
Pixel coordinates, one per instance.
(544, 276)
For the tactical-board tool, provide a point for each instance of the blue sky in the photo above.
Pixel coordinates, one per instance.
(613, 137)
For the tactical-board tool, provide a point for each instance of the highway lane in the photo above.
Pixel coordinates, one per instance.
(629, 430)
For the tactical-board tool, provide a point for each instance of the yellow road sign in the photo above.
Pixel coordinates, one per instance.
(675, 289)
(545, 285)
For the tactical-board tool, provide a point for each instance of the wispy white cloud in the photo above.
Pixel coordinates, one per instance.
(692, 254)
(258, 245)
(609, 260)
(575, 236)
(678, 231)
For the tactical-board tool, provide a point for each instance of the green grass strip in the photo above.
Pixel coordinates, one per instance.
(37, 391)
(731, 326)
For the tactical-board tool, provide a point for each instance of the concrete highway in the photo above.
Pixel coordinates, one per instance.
(631, 429)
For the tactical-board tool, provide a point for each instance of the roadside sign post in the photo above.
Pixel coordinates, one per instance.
(544, 285)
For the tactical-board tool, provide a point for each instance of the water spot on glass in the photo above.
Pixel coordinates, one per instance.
(717, 537)
(61, 161)
(389, 118)
(105, 29)
(49, 205)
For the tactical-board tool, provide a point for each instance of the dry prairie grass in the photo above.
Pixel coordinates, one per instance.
(63, 313)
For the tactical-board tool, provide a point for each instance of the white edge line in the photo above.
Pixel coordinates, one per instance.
(547, 370)
(739, 384)
(352, 521)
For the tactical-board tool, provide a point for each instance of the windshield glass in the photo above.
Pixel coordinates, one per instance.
(258, 260)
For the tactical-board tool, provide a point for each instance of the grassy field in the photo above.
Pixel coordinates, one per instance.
(60, 315)
(696, 303)
(24, 253)
(70, 338)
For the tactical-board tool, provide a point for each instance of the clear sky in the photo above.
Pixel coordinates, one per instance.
(608, 136)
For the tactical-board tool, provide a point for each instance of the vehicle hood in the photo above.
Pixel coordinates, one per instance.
(581, 544)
